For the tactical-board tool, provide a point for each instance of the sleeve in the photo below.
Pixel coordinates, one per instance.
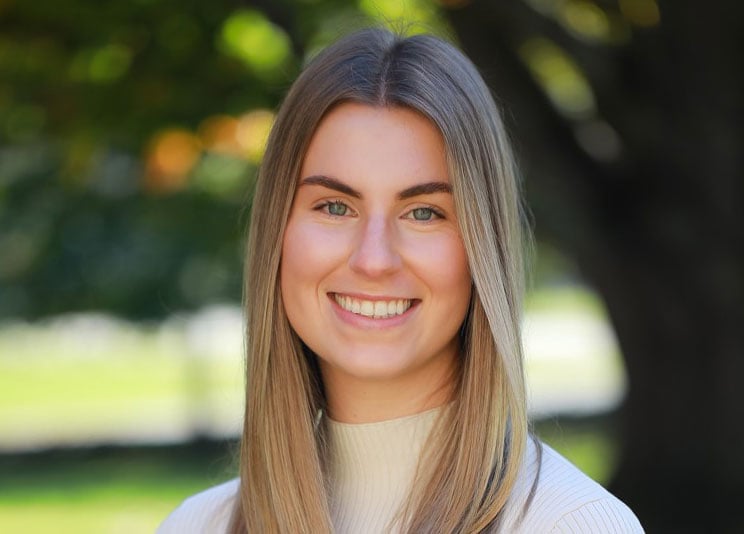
(606, 516)
(181, 520)
(207, 512)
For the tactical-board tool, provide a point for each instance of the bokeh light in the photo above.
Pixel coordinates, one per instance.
(559, 76)
(406, 16)
(218, 133)
(253, 131)
(250, 37)
(586, 19)
(171, 156)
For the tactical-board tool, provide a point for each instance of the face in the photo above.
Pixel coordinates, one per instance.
(374, 277)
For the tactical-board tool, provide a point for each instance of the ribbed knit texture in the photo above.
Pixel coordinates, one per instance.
(566, 501)
(372, 466)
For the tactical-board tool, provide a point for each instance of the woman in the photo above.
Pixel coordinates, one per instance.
(385, 387)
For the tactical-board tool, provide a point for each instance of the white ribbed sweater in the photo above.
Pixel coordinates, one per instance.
(373, 464)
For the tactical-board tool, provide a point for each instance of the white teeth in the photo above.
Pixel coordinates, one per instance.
(367, 308)
(378, 309)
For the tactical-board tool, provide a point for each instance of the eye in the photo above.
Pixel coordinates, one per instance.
(335, 208)
(423, 214)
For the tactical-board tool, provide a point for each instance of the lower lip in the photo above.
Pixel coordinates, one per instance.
(362, 321)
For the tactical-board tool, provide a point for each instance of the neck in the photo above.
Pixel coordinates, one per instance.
(358, 400)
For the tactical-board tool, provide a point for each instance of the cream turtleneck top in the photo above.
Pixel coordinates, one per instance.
(372, 466)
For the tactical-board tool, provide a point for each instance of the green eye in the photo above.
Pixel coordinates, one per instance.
(337, 208)
(422, 214)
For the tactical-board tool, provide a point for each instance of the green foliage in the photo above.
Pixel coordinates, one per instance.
(588, 443)
(129, 138)
(262, 46)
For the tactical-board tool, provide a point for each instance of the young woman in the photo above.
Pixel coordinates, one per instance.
(383, 288)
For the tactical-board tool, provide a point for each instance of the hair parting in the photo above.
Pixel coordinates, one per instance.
(473, 455)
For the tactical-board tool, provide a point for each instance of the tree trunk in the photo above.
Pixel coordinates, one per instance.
(658, 231)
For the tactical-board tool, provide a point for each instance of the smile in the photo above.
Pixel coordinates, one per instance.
(376, 309)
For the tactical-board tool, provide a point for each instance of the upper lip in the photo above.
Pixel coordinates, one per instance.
(372, 298)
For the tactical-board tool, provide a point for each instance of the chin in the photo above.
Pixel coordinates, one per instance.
(373, 365)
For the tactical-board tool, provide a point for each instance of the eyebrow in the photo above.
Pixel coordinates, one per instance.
(427, 188)
(331, 183)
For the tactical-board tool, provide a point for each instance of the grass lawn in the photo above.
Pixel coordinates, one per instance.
(105, 490)
(63, 384)
(113, 490)
(94, 380)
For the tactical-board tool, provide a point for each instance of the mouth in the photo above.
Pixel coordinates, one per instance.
(374, 309)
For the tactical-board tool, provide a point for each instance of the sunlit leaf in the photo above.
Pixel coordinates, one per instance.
(406, 16)
(250, 37)
(559, 76)
(586, 19)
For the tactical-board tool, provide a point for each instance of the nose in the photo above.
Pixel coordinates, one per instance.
(375, 252)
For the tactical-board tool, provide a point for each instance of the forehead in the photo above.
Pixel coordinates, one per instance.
(361, 143)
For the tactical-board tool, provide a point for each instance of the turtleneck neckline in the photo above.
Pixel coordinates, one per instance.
(403, 420)
(371, 468)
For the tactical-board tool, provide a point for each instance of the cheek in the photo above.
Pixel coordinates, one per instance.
(309, 252)
(442, 262)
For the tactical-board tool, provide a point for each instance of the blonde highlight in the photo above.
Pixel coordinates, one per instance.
(472, 458)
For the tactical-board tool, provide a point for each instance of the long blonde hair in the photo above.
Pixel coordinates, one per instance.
(472, 459)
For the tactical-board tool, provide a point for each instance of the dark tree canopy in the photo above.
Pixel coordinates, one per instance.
(639, 179)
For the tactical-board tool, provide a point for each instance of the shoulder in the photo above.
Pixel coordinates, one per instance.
(208, 511)
(565, 500)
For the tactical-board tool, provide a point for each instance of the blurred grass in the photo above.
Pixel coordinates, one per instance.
(94, 384)
(107, 382)
(69, 382)
(111, 490)
(95, 379)
(76, 397)
(105, 490)
(589, 443)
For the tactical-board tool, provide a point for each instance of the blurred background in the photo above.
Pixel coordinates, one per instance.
(130, 135)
